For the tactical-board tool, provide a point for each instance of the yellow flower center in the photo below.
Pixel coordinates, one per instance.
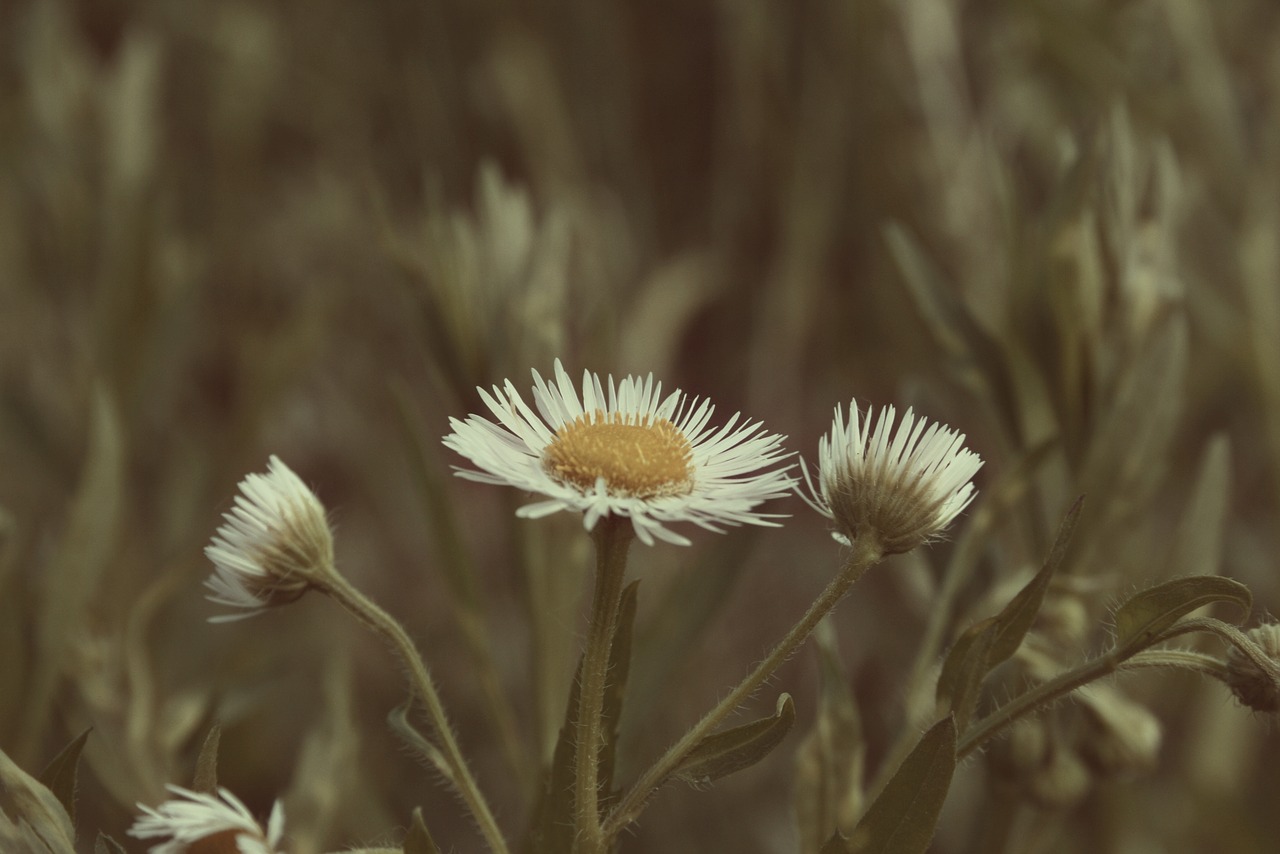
(643, 458)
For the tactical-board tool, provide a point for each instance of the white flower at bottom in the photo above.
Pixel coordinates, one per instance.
(276, 542)
(902, 487)
(194, 817)
(625, 452)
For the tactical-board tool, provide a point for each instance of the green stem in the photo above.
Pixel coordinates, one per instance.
(1038, 697)
(866, 553)
(382, 623)
(612, 535)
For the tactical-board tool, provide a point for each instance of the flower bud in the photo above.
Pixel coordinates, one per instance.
(901, 487)
(1256, 680)
(275, 545)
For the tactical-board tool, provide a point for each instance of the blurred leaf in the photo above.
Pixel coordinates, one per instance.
(829, 761)
(106, 845)
(1144, 616)
(902, 820)
(399, 721)
(974, 355)
(553, 820)
(418, 840)
(32, 821)
(71, 579)
(734, 749)
(60, 774)
(1197, 546)
(206, 776)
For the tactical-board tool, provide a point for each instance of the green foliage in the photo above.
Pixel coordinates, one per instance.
(418, 840)
(739, 747)
(903, 818)
(61, 774)
(1143, 617)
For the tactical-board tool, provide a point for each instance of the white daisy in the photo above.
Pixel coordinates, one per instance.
(626, 451)
(903, 487)
(193, 817)
(274, 545)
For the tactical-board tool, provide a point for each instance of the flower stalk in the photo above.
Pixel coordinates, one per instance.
(613, 538)
(866, 552)
(383, 624)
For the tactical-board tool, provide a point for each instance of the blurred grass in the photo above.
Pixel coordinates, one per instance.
(232, 229)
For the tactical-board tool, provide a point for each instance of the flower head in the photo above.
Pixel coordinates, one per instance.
(625, 452)
(903, 487)
(203, 824)
(275, 544)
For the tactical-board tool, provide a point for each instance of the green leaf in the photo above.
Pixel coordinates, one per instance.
(60, 774)
(1014, 621)
(1144, 616)
(902, 820)
(992, 641)
(741, 747)
(418, 840)
(967, 665)
(399, 721)
(206, 776)
(106, 845)
(615, 688)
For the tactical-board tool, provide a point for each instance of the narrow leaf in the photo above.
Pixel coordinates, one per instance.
(741, 747)
(967, 665)
(399, 721)
(106, 845)
(1014, 621)
(902, 820)
(206, 776)
(615, 688)
(60, 774)
(1147, 614)
(1197, 544)
(418, 840)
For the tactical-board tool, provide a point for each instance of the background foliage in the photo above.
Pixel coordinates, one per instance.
(233, 229)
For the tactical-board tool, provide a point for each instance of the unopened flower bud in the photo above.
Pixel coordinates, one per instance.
(901, 487)
(1256, 681)
(276, 544)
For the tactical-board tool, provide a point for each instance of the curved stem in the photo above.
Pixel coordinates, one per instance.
(612, 536)
(1038, 697)
(866, 553)
(382, 623)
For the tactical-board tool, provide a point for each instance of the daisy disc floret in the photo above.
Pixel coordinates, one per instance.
(276, 543)
(200, 822)
(903, 487)
(623, 450)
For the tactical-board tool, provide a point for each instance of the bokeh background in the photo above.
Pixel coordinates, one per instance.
(312, 228)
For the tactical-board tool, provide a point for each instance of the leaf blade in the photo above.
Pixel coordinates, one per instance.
(724, 753)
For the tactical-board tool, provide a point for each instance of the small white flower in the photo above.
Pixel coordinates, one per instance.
(193, 817)
(626, 452)
(902, 487)
(276, 542)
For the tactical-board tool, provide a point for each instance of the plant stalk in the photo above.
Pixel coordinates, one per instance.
(382, 623)
(866, 553)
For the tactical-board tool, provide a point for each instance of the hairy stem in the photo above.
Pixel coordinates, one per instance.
(866, 553)
(613, 535)
(382, 623)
